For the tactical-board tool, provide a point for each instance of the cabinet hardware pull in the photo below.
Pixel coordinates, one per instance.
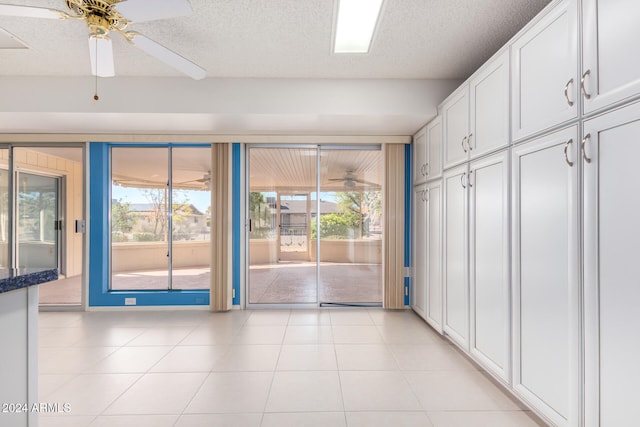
(426, 195)
(566, 156)
(584, 153)
(423, 195)
(566, 92)
(469, 142)
(469, 179)
(422, 169)
(584, 91)
(462, 180)
(426, 169)
(463, 141)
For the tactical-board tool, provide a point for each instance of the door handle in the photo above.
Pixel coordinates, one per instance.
(249, 225)
(584, 153)
(566, 155)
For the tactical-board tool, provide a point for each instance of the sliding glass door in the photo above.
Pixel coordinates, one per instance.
(310, 250)
(160, 210)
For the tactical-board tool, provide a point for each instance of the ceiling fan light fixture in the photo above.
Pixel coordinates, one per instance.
(355, 25)
(101, 54)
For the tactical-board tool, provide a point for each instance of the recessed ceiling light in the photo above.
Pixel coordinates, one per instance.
(355, 25)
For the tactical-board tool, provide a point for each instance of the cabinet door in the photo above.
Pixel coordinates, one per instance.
(544, 65)
(489, 263)
(455, 256)
(611, 269)
(489, 107)
(419, 283)
(420, 157)
(434, 255)
(434, 149)
(455, 113)
(545, 258)
(611, 64)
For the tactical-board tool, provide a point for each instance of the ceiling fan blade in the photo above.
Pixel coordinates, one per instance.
(101, 55)
(149, 10)
(32, 12)
(167, 56)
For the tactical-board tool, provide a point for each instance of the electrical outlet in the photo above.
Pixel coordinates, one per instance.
(129, 301)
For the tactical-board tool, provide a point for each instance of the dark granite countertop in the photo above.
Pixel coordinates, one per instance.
(17, 278)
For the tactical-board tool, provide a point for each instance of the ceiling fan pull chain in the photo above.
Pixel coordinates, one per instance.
(95, 95)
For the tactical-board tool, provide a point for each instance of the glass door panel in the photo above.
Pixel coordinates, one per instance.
(37, 221)
(281, 210)
(4, 209)
(139, 219)
(350, 226)
(190, 213)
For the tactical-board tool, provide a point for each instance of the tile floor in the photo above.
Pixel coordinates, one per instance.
(332, 367)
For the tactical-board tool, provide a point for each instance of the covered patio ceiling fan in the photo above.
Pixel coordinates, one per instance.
(351, 181)
(106, 16)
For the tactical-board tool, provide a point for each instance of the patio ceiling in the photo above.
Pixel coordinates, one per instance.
(294, 169)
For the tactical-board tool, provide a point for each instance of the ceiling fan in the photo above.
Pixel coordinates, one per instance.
(350, 181)
(114, 16)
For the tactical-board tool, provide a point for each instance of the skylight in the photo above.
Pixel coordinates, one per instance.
(355, 25)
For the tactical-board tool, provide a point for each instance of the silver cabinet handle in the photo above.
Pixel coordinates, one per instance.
(566, 92)
(566, 155)
(422, 169)
(584, 153)
(426, 169)
(463, 141)
(469, 142)
(584, 91)
(469, 179)
(426, 195)
(462, 180)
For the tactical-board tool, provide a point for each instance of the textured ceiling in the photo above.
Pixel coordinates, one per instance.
(416, 39)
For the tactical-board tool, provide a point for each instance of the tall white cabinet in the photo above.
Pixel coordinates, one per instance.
(539, 215)
(545, 274)
(611, 268)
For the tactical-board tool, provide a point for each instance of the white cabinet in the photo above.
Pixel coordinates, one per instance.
(476, 117)
(427, 152)
(455, 113)
(611, 268)
(427, 253)
(544, 72)
(434, 254)
(420, 157)
(489, 107)
(610, 60)
(545, 275)
(489, 263)
(419, 253)
(456, 286)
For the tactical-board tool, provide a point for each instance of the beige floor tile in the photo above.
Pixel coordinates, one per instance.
(484, 419)
(231, 392)
(268, 317)
(271, 334)
(306, 419)
(91, 394)
(309, 317)
(135, 421)
(256, 357)
(312, 357)
(308, 334)
(365, 357)
(109, 337)
(430, 357)
(65, 421)
(161, 336)
(305, 392)
(220, 420)
(385, 419)
(158, 394)
(70, 360)
(356, 334)
(130, 360)
(191, 358)
(377, 391)
(350, 317)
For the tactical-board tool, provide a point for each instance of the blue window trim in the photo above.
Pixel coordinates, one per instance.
(99, 191)
(407, 220)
